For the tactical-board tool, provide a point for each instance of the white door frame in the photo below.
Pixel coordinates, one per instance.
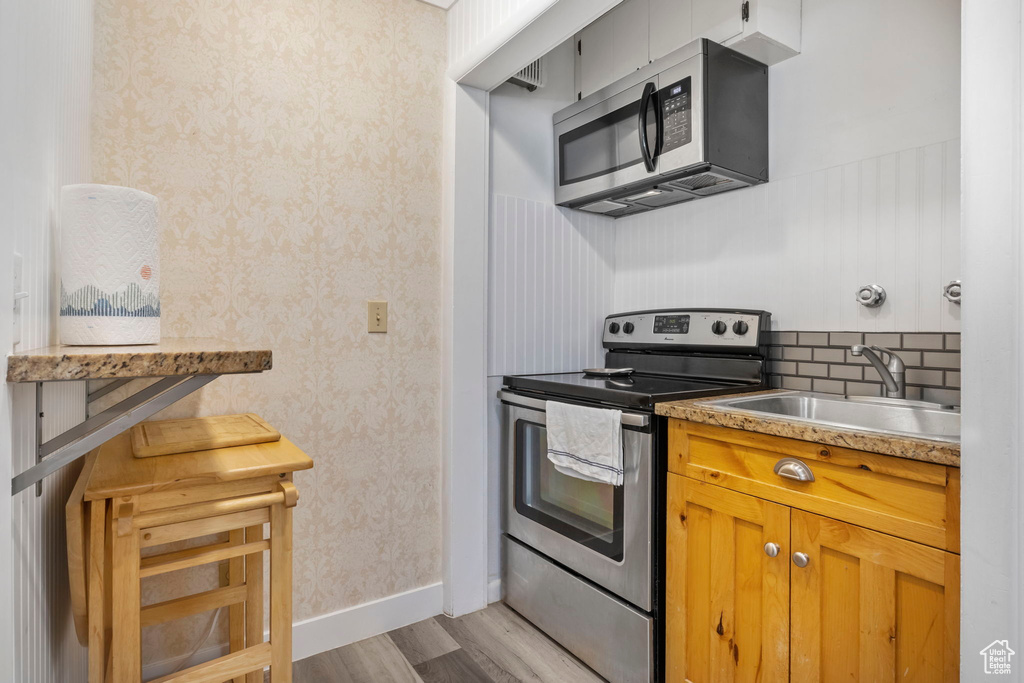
(538, 27)
(464, 378)
(992, 139)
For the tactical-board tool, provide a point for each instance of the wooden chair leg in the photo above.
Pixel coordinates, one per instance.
(126, 642)
(281, 593)
(254, 598)
(236, 613)
(96, 593)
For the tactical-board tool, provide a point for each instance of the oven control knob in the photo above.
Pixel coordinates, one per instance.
(740, 327)
(628, 328)
(718, 327)
(614, 328)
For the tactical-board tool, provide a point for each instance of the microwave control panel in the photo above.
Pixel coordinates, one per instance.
(675, 111)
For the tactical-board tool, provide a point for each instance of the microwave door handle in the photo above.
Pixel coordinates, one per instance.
(650, 90)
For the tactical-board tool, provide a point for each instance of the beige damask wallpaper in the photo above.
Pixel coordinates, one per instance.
(295, 147)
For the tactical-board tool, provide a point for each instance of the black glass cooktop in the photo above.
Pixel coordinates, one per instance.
(634, 391)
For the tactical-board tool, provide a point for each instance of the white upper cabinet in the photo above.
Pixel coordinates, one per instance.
(717, 20)
(637, 32)
(615, 45)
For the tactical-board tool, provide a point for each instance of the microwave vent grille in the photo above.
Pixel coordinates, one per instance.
(707, 184)
(531, 77)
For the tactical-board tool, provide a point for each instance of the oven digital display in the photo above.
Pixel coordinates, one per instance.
(671, 324)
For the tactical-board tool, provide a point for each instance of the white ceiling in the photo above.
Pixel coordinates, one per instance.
(443, 4)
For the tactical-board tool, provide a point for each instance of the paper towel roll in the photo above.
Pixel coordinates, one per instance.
(110, 266)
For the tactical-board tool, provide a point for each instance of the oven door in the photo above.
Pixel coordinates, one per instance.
(600, 531)
(605, 146)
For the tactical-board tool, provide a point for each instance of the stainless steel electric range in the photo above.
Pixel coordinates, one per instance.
(584, 560)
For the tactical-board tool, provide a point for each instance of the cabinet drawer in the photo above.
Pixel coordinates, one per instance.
(917, 501)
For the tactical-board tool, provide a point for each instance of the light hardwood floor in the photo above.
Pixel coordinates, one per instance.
(494, 645)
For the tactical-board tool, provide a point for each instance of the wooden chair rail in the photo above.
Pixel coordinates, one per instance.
(223, 668)
(159, 535)
(188, 513)
(193, 604)
(204, 558)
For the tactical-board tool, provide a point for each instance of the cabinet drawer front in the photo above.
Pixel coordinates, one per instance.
(914, 500)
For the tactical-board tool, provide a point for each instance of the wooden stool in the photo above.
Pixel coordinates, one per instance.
(122, 505)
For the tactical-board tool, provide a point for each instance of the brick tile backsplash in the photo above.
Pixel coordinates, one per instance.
(822, 361)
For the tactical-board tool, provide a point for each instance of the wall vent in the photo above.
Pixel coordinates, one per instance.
(531, 77)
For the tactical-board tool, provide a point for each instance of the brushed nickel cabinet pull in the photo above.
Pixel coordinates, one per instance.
(791, 468)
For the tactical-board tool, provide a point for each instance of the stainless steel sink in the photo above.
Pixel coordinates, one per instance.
(882, 415)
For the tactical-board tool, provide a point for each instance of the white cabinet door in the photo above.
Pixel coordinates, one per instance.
(670, 27)
(717, 20)
(614, 46)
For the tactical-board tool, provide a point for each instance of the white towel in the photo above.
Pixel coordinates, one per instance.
(585, 442)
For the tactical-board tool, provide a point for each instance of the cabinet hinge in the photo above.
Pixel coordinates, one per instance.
(745, 11)
(579, 47)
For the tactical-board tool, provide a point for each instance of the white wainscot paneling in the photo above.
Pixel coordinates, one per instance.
(799, 247)
(46, 77)
(550, 274)
(469, 21)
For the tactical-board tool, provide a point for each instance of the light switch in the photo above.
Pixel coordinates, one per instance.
(376, 316)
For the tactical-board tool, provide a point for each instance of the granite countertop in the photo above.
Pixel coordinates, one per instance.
(912, 448)
(171, 357)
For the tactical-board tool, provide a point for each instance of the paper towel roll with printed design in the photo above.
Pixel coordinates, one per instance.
(110, 266)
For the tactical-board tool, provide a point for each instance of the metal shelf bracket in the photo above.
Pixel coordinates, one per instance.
(82, 438)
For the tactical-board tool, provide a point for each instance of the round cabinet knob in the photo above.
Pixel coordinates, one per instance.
(740, 327)
(718, 327)
(801, 559)
(614, 328)
(628, 328)
(771, 549)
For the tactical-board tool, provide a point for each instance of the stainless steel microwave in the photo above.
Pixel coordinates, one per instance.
(691, 124)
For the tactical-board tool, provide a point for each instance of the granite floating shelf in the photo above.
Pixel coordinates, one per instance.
(171, 357)
(179, 366)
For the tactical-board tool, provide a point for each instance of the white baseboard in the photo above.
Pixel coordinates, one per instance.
(494, 590)
(329, 631)
(338, 629)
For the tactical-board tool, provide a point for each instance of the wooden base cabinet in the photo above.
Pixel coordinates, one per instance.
(727, 601)
(757, 590)
(870, 607)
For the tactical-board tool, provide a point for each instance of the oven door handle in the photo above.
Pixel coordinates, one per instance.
(628, 419)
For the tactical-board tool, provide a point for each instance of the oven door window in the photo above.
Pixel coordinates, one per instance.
(602, 146)
(587, 512)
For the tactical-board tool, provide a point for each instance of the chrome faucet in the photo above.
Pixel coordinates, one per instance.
(892, 371)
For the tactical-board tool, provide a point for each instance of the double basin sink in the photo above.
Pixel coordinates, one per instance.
(881, 415)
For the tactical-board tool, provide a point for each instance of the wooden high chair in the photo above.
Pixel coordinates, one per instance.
(122, 505)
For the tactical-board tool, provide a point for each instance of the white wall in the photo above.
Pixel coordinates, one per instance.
(550, 270)
(45, 78)
(992, 526)
(800, 247)
(864, 187)
(522, 139)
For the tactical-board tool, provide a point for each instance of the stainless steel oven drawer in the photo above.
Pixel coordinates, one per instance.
(611, 637)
